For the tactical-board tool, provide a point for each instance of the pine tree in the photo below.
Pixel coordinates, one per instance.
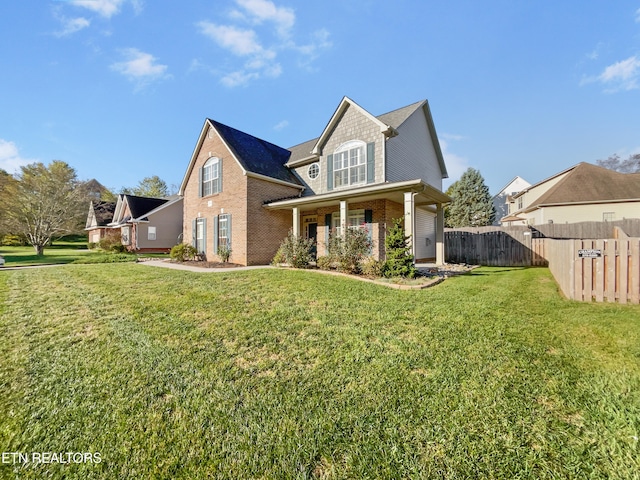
(399, 261)
(471, 204)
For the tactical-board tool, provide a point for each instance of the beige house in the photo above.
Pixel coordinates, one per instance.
(581, 193)
(148, 224)
(363, 171)
(503, 198)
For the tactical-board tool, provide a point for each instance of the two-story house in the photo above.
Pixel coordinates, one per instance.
(362, 171)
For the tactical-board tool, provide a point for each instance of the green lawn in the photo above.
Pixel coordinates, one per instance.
(290, 374)
(61, 252)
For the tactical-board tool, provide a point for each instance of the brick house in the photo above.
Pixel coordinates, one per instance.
(362, 171)
(148, 224)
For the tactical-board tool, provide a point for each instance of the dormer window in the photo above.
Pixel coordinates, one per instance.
(210, 177)
(350, 164)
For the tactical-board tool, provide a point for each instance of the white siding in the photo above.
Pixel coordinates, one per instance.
(425, 236)
(412, 155)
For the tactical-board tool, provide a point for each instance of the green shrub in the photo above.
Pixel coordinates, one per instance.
(371, 267)
(325, 263)
(349, 250)
(295, 251)
(92, 245)
(224, 252)
(112, 242)
(183, 252)
(108, 258)
(399, 262)
(14, 241)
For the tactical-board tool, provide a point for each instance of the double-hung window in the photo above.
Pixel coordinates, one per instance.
(355, 219)
(350, 164)
(223, 231)
(201, 231)
(211, 177)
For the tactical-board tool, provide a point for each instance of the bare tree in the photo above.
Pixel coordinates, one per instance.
(44, 202)
(628, 165)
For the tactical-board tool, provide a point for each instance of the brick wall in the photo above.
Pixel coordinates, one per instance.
(266, 228)
(232, 199)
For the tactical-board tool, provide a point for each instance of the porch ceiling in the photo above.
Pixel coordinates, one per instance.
(425, 195)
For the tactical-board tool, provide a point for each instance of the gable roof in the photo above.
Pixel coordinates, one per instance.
(337, 115)
(139, 208)
(389, 122)
(586, 183)
(256, 155)
(103, 212)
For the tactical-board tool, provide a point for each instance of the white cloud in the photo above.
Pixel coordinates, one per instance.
(248, 41)
(10, 159)
(260, 11)
(638, 15)
(622, 75)
(239, 42)
(281, 126)
(140, 67)
(236, 79)
(106, 8)
(72, 25)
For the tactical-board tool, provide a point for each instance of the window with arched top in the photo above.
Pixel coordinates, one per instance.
(211, 177)
(350, 164)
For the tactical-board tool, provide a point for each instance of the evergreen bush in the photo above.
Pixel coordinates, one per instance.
(399, 262)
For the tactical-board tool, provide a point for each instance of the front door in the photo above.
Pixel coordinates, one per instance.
(311, 232)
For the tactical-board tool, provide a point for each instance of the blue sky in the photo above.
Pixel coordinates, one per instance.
(119, 89)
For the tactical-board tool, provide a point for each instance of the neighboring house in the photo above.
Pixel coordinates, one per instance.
(148, 224)
(98, 219)
(581, 193)
(503, 198)
(361, 172)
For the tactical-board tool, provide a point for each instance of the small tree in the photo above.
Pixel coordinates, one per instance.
(399, 262)
(44, 202)
(471, 204)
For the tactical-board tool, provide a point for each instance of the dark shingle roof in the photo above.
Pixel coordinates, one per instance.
(256, 155)
(140, 206)
(590, 183)
(103, 212)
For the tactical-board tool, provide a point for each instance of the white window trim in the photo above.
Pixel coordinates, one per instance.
(361, 166)
(200, 235)
(210, 184)
(317, 165)
(151, 233)
(355, 220)
(223, 220)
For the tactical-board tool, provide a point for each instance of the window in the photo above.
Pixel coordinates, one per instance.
(223, 230)
(313, 171)
(355, 219)
(151, 234)
(126, 239)
(210, 177)
(608, 216)
(350, 164)
(200, 245)
(520, 203)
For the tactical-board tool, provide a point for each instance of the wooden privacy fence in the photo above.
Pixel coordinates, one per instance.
(600, 270)
(496, 247)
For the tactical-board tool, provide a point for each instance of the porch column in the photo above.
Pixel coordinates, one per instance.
(296, 222)
(408, 219)
(439, 234)
(344, 214)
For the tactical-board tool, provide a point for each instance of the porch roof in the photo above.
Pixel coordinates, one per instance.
(425, 195)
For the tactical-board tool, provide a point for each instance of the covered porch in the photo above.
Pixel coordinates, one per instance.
(420, 206)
